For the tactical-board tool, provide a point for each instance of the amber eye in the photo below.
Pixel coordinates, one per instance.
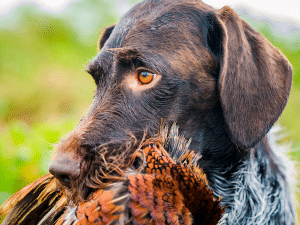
(145, 77)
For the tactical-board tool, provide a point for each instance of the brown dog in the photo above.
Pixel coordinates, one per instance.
(207, 70)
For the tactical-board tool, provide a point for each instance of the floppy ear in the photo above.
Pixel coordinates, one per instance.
(254, 82)
(105, 35)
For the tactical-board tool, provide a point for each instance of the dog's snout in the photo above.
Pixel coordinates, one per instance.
(65, 170)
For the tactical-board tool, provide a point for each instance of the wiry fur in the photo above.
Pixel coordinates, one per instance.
(259, 192)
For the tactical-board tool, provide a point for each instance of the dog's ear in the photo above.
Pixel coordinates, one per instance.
(105, 35)
(254, 81)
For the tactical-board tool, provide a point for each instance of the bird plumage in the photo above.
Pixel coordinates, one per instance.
(167, 188)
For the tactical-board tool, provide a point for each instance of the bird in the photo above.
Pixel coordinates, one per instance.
(168, 187)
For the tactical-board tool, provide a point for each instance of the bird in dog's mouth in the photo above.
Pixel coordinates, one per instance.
(157, 181)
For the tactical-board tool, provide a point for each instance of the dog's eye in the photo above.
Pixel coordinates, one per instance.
(145, 77)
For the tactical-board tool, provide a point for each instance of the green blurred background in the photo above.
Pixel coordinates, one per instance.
(44, 89)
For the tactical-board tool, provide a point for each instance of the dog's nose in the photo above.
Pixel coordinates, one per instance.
(65, 170)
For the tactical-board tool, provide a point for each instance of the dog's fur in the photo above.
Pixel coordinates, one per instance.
(220, 80)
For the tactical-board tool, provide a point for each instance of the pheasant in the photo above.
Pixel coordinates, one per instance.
(168, 188)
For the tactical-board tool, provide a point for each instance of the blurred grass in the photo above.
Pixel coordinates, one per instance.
(44, 89)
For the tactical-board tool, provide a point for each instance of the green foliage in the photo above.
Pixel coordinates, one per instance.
(26, 151)
(44, 89)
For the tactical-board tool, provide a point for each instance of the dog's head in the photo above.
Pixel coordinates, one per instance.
(177, 61)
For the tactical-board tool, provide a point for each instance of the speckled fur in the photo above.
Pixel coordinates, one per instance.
(257, 195)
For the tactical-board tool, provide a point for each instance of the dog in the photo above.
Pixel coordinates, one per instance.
(207, 70)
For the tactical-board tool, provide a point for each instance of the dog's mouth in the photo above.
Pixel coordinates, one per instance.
(76, 191)
(101, 166)
(112, 161)
(65, 181)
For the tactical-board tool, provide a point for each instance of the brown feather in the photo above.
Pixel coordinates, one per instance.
(39, 201)
(167, 192)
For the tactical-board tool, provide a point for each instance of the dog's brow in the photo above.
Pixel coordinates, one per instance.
(91, 67)
(96, 70)
(125, 53)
